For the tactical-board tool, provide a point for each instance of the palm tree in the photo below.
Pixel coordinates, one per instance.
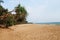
(21, 13)
(1, 1)
(1, 7)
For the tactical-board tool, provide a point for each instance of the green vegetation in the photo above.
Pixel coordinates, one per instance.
(21, 14)
(9, 19)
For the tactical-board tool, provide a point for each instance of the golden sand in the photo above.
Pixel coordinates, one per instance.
(31, 32)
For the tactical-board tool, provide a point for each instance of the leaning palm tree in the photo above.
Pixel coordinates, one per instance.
(21, 13)
(1, 1)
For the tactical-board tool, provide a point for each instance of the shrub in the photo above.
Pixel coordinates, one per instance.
(9, 21)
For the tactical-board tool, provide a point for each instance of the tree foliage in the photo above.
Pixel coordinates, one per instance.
(9, 19)
(21, 13)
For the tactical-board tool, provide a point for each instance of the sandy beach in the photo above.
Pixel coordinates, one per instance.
(31, 32)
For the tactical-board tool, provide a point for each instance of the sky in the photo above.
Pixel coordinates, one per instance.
(38, 10)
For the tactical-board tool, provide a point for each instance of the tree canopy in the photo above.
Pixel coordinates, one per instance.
(9, 19)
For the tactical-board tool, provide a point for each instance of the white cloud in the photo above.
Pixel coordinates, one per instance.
(35, 12)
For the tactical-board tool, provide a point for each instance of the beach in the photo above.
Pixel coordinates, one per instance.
(31, 32)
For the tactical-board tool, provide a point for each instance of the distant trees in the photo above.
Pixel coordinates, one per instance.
(9, 19)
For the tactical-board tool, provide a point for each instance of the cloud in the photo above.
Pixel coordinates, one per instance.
(35, 12)
(46, 11)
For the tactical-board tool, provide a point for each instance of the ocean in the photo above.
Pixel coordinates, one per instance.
(49, 23)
